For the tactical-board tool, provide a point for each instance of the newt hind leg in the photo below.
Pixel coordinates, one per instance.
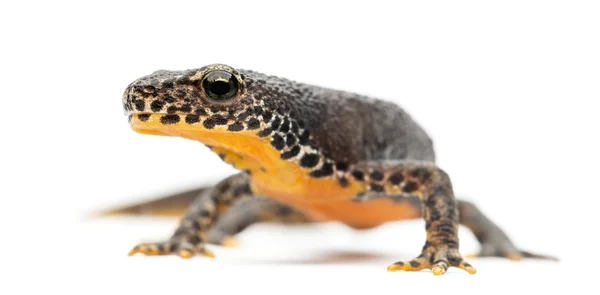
(494, 242)
(190, 237)
(249, 211)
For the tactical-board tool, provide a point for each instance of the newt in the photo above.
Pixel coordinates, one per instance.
(304, 154)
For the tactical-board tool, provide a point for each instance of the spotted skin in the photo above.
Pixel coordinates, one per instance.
(320, 153)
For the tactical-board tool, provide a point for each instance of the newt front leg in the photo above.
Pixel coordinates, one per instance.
(439, 207)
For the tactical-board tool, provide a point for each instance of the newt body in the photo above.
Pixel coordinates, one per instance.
(305, 154)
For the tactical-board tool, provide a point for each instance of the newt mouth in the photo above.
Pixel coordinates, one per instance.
(165, 124)
(204, 129)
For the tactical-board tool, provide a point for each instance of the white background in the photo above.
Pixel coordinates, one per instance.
(508, 90)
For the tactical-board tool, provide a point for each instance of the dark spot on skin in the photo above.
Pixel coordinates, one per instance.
(420, 173)
(341, 166)
(303, 138)
(291, 153)
(237, 126)
(265, 132)
(195, 225)
(267, 116)
(241, 190)
(186, 108)
(434, 214)
(243, 116)
(295, 128)
(309, 160)
(180, 93)
(253, 123)
(290, 140)
(222, 156)
(205, 213)
(430, 202)
(194, 240)
(171, 248)
(400, 263)
(216, 109)
(377, 188)
(276, 123)
(415, 264)
(219, 119)
(285, 126)
(144, 117)
(467, 264)
(209, 123)
(248, 172)
(200, 111)
(452, 244)
(263, 169)
(284, 211)
(169, 99)
(277, 142)
(191, 119)
(377, 175)
(445, 228)
(343, 182)
(326, 170)
(396, 178)
(161, 248)
(157, 105)
(169, 119)
(410, 186)
(172, 110)
(223, 187)
(358, 175)
(258, 111)
(140, 105)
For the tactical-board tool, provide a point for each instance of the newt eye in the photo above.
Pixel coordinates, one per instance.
(220, 85)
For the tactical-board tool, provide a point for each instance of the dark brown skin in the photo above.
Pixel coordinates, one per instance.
(311, 154)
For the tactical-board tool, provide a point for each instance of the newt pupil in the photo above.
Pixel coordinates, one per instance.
(220, 87)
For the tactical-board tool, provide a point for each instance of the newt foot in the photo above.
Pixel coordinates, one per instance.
(436, 259)
(183, 250)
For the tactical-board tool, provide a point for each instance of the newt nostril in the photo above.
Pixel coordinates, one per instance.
(149, 89)
(144, 90)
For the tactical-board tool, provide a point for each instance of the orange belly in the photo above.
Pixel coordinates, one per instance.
(325, 200)
(322, 199)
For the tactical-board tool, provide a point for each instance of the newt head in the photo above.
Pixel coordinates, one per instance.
(212, 99)
(253, 121)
